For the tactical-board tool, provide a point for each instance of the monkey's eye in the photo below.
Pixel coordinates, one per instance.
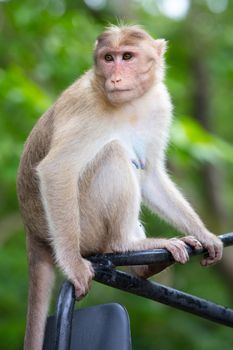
(108, 57)
(127, 56)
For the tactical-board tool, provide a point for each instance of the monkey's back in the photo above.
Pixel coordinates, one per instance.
(35, 149)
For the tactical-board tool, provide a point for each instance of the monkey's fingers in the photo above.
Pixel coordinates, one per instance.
(213, 258)
(208, 262)
(82, 287)
(215, 250)
(80, 290)
(83, 278)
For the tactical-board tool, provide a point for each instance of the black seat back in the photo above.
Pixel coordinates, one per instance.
(102, 327)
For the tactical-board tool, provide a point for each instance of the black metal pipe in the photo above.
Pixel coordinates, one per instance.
(146, 257)
(227, 239)
(64, 316)
(105, 273)
(165, 295)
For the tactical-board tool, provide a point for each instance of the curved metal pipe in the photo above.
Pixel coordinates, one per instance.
(146, 257)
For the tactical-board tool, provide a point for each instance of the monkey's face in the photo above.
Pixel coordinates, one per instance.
(126, 72)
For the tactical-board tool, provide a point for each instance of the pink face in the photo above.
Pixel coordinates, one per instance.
(127, 71)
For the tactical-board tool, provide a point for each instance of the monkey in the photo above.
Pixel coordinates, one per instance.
(90, 162)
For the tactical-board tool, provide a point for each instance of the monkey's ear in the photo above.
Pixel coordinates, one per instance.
(94, 51)
(160, 46)
(95, 44)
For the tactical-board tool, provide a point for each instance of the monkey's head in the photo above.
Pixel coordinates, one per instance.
(128, 61)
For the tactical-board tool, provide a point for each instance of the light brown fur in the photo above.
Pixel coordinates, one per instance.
(78, 186)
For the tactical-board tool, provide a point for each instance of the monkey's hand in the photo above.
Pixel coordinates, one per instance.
(214, 246)
(82, 277)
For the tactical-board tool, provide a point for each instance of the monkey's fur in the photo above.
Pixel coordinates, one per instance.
(90, 161)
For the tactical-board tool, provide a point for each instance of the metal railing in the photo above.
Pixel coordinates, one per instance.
(106, 273)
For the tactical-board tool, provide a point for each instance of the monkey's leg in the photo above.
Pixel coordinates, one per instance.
(124, 231)
(146, 271)
(41, 279)
(174, 245)
(113, 197)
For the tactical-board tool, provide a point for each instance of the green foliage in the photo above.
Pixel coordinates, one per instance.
(196, 144)
(45, 45)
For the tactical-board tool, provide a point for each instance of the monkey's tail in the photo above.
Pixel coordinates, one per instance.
(41, 280)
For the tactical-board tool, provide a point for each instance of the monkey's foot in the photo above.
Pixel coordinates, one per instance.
(146, 271)
(192, 242)
(177, 248)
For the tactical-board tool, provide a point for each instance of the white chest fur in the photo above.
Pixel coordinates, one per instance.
(143, 126)
(135, 145)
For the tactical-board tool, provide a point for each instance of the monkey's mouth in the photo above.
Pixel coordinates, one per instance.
(119, 90)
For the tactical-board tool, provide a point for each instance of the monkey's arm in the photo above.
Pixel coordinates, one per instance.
(162, 196)
(58, 174)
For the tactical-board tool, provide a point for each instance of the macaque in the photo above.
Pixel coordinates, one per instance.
(89, 163)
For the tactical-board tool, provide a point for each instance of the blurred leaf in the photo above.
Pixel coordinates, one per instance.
(189, 136)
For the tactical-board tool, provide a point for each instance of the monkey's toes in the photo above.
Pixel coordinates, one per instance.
(192, 242)
(178, 250)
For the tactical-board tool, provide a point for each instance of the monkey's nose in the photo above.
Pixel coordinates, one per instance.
(115, 81)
